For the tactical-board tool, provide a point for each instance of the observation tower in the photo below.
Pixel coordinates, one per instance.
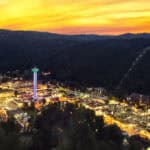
(35, 71)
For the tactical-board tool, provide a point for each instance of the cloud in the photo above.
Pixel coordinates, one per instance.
(76, 16)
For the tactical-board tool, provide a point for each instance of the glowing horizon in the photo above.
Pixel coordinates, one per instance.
(76, 16)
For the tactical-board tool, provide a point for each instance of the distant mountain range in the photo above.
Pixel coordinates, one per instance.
(80, 36)
(96, 60)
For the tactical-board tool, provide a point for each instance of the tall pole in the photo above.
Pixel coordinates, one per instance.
(35, 70)
(35, 85)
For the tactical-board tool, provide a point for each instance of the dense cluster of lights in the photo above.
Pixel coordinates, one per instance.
(49, 93)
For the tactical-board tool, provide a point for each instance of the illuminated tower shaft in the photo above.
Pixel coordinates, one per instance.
(35, 85)
(35, 70)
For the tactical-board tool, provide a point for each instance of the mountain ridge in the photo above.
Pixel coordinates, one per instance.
(99, 36)
(94, 61)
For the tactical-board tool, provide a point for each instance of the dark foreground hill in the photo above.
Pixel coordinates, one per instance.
(88, 59)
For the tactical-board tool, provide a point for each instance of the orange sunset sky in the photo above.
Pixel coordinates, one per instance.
(76, 16)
